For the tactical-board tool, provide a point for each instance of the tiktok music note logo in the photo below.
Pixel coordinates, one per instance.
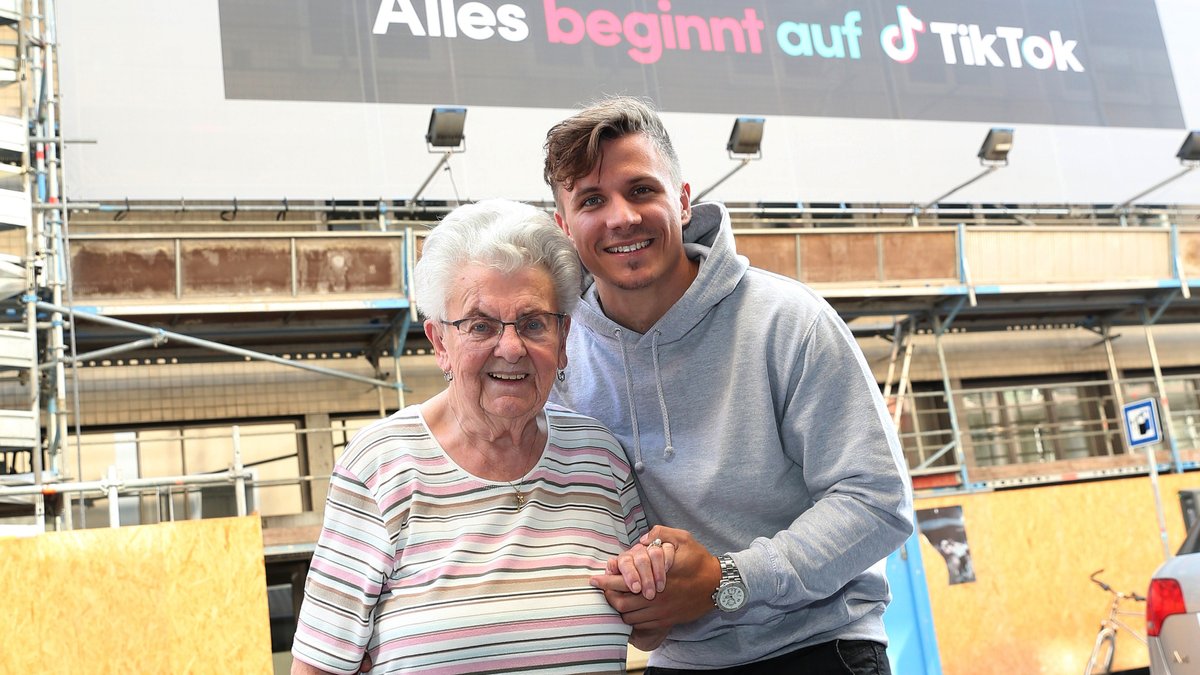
(899, 39)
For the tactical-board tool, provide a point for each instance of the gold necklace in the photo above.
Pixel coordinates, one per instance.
(521, 496)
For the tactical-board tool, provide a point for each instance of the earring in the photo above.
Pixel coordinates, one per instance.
(448, 374)
(562, 374)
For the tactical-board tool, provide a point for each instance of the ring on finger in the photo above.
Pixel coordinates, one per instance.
(656, 542)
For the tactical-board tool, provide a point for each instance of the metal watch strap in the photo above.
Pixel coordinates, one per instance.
(729, 570)
(730, 594)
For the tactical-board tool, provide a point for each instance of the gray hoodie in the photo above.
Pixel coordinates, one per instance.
(753, 422)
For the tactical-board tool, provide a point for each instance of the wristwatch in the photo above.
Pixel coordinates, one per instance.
(731, 593)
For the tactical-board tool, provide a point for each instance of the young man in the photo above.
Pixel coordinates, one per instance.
(760, 441)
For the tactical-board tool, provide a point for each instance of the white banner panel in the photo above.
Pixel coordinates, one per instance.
(865, 101)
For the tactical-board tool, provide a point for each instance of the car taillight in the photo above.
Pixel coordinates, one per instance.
(1164, 599)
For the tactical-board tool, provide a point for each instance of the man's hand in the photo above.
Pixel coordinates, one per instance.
(643, 568)
(686, 596)
(648, 640)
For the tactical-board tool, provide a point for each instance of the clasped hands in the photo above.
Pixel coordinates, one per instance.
(656, 587)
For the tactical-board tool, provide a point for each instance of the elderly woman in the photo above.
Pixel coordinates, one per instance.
(460, 533)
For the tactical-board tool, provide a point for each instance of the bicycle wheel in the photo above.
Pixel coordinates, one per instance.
(1103, 651)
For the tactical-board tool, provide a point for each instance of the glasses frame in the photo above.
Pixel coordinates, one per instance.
(494, 340)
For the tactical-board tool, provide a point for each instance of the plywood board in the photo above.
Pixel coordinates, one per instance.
(1032, 608)
(1040, 256)
(841, 257)
(187, 597)
(920, 255)
(772, 252)
(1189, 254)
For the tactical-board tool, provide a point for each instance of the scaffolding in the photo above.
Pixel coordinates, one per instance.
(39, 335)
(102, 293)
(23, 180)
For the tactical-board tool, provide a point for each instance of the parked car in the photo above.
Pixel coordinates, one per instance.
(1173, 611)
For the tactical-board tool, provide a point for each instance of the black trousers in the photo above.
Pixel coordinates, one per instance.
(837, 657)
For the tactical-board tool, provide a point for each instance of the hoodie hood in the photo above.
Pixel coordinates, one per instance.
(708, 238)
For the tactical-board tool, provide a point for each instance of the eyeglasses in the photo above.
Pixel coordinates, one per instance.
(484, 331)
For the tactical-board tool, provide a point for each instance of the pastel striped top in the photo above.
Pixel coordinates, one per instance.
(433, 570)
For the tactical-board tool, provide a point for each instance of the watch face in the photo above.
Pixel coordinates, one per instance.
(731, 597)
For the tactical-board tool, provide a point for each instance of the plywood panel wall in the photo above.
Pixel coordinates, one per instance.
(1080, 255)
(185, 597)
(1032, 608)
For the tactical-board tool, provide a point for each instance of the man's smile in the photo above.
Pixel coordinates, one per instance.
(628, 248)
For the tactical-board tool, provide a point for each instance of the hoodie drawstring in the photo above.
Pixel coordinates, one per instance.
(638, 465)
(662, 400)
(669, 450)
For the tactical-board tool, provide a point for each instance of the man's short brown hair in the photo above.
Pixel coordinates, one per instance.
(573, 145)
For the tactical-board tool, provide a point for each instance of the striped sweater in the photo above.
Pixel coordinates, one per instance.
(433, 570)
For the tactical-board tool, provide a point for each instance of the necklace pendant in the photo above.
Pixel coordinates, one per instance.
(520, 499)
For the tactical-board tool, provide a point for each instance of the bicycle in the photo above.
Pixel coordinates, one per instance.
(1105, 647)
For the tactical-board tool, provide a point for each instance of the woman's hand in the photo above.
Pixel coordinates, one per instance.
(643, 568)
(695, 574)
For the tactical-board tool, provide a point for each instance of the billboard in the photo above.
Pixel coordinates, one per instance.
(865, 100)
(1036, 61)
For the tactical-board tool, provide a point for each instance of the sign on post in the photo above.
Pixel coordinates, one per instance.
(1142, 429)
(1142, 426)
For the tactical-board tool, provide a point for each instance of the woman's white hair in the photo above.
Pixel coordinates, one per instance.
(504, 235)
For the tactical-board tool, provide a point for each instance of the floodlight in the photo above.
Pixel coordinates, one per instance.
(993, 154)
(1190, 150)
(445, 135)
(1189, 157)
(446, 128)
(746, 136)
(745, 143)
(996, 145)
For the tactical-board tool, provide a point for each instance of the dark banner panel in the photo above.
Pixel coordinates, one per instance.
(1096, 63)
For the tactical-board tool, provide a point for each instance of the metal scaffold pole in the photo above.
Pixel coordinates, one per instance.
(956, 433)
(33, 248)
(43, 111)
(1151, 460)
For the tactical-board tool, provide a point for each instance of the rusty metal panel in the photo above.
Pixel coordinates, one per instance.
(772, 252)
(236, 267)
(349, 266)
(919, 255)
(838, 257)
(123, 269)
